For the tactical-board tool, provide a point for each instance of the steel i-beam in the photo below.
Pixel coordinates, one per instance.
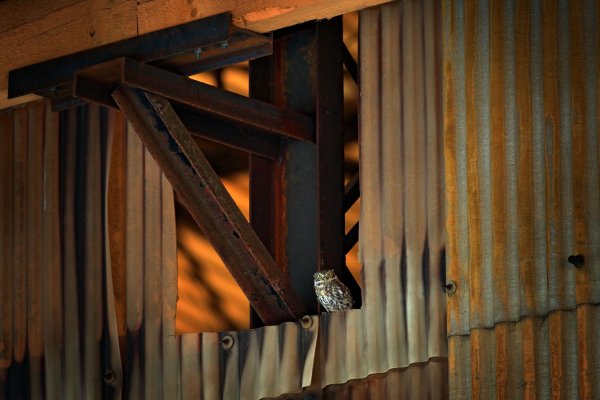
(211, 206)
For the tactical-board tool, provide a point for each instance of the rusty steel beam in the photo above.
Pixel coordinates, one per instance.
(288, 80)
(196, 96)
(242, 45)
(96, 83)
(350, 63)
(330, 151)
(43, 78)
(217, 102)
(267, 189)
(351, 238)
(241, 138)
(211, 206)
(351, 192)
(297, 203)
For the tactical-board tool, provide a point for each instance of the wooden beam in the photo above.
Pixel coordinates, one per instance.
(74, 26)
(211, 206)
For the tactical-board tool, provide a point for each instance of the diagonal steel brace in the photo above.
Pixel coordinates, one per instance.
(211, 206)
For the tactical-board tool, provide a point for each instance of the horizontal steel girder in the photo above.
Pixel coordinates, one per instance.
(196, 96)
(211, 206)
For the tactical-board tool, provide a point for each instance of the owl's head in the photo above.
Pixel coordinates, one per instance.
(324, 275)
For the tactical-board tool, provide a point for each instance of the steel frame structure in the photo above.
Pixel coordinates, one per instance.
(291, 126)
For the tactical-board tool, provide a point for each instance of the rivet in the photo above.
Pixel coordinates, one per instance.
(576, 260)
(227, 342)
(450, 288)
(109, 377)
(306, 321)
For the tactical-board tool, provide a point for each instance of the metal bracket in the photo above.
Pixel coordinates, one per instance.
(211, 206)
(228, 118)
(294, 137)
(185, 49)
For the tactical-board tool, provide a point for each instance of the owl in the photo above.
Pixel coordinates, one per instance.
(331, 292)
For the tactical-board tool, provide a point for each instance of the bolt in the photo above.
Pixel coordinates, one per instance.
(450, 288)
(576, 260)
(227, 342)
(109, 376)
(306, 321)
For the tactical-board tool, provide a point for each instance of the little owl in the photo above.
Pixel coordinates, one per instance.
(331, 292)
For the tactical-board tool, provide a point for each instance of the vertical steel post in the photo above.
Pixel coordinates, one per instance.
(264, 181)
(329, 94)
(296, 204)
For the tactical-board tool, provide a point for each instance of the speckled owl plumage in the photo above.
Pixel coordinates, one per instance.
(331, 292)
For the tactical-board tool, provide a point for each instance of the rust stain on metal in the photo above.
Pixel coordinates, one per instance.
(523, 195)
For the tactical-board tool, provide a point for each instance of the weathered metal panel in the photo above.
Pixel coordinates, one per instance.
(418, 381)
(249, 364)
(72, 383)
(403, 242)
(53, 278)
(33, 222)
(6, 244)
(52, 274)
(554, 356)
(523, 193)
(63, 332)
(402, 232)
(524, 83)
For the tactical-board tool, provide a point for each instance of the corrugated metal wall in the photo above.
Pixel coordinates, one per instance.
(88, 225)
(402, 233)
(52, 284)
(88, 276)
(521, 144)
(417, 381)
(229, 365)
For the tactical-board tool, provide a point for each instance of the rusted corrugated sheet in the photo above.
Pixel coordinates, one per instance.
(53, 313)
(230, 365)
(249, 364)
(523, 178)
(402, 239)
(553, 356)
(399, 383)
(89, 312)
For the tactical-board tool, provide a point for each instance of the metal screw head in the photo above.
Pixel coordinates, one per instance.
(450, 288)
(576, 260)
(306, 321)
(227, 342)
(109, 376)
(198, 52)
(224, 44)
